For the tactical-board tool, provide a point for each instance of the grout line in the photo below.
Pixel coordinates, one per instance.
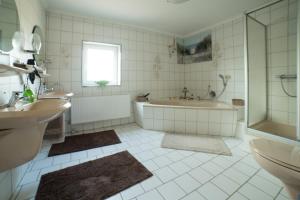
(243, 185)
(277, 195)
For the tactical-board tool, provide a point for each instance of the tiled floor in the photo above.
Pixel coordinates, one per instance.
(178, 174)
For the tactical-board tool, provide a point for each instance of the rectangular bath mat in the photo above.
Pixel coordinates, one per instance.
(205, 143)
(93, 180)
(85, 141)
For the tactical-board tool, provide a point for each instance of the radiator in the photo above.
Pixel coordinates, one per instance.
(92, 109)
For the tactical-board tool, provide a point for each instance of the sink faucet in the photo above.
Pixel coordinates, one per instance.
(15, 96)
(185, 91)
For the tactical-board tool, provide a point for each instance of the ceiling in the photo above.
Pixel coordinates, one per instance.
(180, 19)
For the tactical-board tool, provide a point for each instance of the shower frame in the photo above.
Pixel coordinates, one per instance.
(246, 63)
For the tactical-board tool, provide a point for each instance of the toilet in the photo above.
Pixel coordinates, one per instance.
(281, 160)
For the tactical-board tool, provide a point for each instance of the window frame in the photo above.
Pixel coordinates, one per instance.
(86, 83)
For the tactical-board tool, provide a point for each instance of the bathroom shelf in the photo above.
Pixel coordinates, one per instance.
(39, 69)
(45, 75)
(9, 68)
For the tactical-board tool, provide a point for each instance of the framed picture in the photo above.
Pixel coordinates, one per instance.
(194, 49)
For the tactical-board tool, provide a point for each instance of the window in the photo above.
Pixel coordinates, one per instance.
(100, 62)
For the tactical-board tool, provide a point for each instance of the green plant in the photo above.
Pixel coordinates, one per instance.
(29, 95)
(102, 83)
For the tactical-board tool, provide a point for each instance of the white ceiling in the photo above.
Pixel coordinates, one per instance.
(179, 19)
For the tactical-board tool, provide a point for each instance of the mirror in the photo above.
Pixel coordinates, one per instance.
(37, 44)
(9, 23)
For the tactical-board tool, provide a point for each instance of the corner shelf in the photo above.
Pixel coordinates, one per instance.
(45, 75)
(9, 68)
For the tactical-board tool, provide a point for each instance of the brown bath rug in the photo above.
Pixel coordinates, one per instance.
(84, 142)
(93, 180)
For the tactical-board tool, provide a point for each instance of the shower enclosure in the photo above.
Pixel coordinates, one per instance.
(271, 59)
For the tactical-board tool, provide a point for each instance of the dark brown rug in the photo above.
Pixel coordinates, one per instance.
(84, 142)
(93, 180)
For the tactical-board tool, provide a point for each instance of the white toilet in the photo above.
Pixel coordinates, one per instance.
(281, 160)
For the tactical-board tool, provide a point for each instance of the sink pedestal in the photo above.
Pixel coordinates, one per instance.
(20, 145)
(22, 130)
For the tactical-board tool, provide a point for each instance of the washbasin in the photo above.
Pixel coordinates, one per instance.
(22, 130)
(40, 111)
(56, 95)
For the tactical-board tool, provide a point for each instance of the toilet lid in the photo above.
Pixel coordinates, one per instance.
(283, 154)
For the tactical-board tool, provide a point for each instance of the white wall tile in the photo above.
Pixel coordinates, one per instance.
(191, 115)
(158, 113)
(180, 127)
(179, 114)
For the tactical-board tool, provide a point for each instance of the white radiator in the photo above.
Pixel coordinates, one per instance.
(92, 109)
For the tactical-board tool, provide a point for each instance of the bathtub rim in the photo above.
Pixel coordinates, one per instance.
(232, 107)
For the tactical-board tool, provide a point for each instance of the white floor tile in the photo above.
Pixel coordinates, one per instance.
(194, 196)
(265, 185)
(212, 168)
(200, 175)
(253, 193)
(226, 184)
(192, 162)
(186, 153)
(281, 197)
(144, 156)
(132, 192)
(250, 161)
(237, 196)
(28, 191)
(160, 151)
(40, 164)
(69, 164)
(162, 161)
(150, 165)
(94, 152)
(266, 175)
(212, 192)
(61, 159)
(179, 167)
(41, 156)
(152, 195)
(177, 174)
(204, 157)
(171, 191)
(30, 177)
(165, 174)
(285, 193)
(187, 183)
(245, 169)
(151, 183)
(222, 161)
(236, 176)
(175, 156)
(78, 155)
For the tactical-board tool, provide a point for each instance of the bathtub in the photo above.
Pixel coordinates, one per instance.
(189, 116)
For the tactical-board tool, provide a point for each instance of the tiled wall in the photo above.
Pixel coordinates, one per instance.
(281, 21)
(189, 120)
(31, 13)
(140, 48)
(8, 23)
(228, 59)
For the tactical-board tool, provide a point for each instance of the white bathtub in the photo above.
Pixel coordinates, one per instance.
(189, 116)
(203, 104)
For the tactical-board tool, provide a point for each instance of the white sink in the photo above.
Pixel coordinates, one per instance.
(56, 95)
(22, 130)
